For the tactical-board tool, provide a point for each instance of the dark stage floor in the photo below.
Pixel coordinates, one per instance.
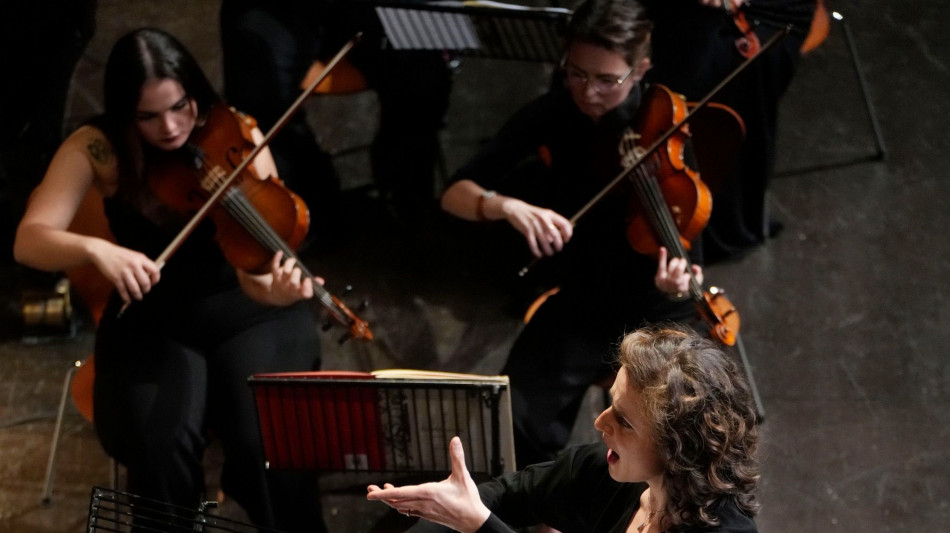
(843, 315)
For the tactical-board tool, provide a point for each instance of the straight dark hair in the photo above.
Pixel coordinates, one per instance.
(140, 56)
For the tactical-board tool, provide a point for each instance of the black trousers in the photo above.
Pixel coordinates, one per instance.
(168, 379)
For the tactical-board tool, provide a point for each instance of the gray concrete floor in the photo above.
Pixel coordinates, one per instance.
(842, 315)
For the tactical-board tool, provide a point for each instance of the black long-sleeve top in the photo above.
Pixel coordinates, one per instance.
(575, 494)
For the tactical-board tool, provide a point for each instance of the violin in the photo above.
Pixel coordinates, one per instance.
(819, 28)
(712, 305)
(686, 197)
(671, 204)
(254, 218)
(748, 42)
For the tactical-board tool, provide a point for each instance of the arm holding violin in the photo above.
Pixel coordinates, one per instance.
(285, 283)
(43, 240)
(282, 286)
(264, 164)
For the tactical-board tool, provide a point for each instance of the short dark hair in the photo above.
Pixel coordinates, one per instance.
(618, 25)
(703, 418)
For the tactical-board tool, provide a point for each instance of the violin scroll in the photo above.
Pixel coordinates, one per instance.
(721, 315)
(747, 43)
(357, 328)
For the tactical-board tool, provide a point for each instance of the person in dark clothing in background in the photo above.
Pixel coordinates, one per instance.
(606, 288)
(694, 48)
(269, 46)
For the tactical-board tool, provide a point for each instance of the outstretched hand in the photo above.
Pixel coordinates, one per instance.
(452, 502)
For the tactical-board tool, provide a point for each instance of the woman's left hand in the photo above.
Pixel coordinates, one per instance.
(453, 502)
(283, 286)
(288, 284)
(672, 277)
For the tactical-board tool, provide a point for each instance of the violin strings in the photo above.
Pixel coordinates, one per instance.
(251, 220)
(240, 208)
(659, 212)
(243, 210)
(653, 198)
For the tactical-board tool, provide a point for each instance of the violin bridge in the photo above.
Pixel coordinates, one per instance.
(214, 177)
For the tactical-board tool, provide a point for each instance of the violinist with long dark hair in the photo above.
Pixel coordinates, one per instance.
(172, 364)
(606, 288)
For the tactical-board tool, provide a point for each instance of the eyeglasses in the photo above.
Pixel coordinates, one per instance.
(602, 83)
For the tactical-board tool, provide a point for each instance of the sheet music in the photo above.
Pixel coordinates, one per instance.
(479, 28)
(409, 29)
(499, 5)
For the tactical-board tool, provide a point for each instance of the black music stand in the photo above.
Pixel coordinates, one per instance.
(115, 511)
(880, 152)
(479, 29)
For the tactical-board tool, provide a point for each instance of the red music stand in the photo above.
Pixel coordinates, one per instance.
(392, 421)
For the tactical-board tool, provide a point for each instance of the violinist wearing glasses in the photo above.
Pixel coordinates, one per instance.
(173, 364)
(606, 287)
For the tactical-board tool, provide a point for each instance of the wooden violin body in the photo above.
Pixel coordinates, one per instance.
(679, 187)
(747, 44)
(254, 218)
(250, 209)
(671, 204)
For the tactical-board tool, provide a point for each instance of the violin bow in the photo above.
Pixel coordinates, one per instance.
(199, 215)
(281, 122)
(779, 35)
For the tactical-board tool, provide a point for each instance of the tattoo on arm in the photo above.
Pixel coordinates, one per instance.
(100, 151)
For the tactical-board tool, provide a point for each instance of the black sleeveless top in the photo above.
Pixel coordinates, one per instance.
(197, 269)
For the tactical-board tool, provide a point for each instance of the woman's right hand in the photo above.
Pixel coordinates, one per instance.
(453, 502)
(132, 273)
(545, 230)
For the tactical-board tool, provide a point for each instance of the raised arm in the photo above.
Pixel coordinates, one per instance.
(452, 502)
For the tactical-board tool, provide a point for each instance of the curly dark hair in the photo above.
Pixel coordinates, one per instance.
(618, 25)
(703, 416)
